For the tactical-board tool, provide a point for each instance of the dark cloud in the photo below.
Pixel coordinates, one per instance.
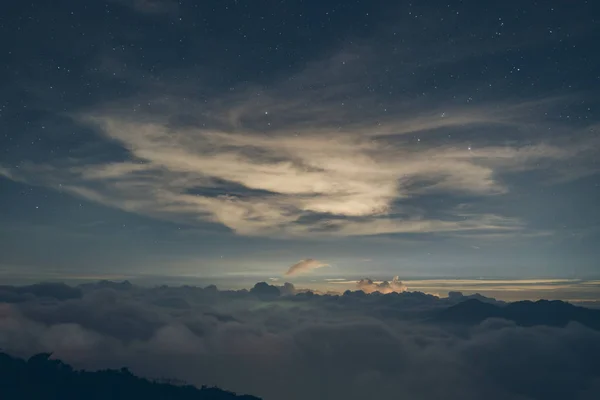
(265, 291)
(345, 347)
(104, 311)
(57, 291)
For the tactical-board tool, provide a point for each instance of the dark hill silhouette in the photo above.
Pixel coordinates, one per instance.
(524, 313)
(456, 297)
(19, 294)
(46, 379)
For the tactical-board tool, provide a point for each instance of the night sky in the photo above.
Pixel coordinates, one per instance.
(230, 139)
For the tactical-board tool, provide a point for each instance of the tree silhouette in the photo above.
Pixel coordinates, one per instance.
(41, 377)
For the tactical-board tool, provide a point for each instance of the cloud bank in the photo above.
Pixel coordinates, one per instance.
(303, 346)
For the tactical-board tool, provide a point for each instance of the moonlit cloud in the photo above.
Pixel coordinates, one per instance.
(305, 266)
(295, 181)
(369, 286)
(314, 154)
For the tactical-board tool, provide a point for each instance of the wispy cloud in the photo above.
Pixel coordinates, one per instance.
(294, 161)
(305, 266)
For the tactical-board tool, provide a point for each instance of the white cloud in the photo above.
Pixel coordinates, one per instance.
(355, 184)
(305, 266)
(290, 162)
(369, 286)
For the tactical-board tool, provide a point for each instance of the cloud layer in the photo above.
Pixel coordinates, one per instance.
(305, 346)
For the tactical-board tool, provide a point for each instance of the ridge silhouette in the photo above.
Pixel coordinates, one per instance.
(42, 378)
(524, 313)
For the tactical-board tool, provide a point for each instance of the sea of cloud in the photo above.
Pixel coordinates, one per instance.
(279, 344)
